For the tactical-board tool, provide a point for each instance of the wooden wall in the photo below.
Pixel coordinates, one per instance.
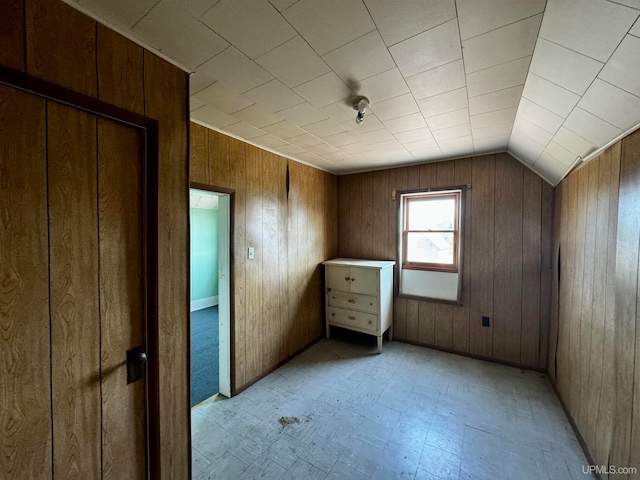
(507, 254)
(595, 328)
(277, 298)
(51, 41)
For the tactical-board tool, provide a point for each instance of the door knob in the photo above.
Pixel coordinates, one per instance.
(136, 358)
(140, 359)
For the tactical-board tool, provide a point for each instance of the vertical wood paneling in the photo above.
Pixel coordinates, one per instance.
(398, 182)
(165, 90)
(239, 285)
(219, 167)
(462, 168)
(546, 272)
(120, 71)
(12, 54)
(380, 203)
(283, 260)
(355, 212)
(120, 191)
(530, 340)
(413, 182)
(25, 381)
(343, 209)
(294, 240)
(481, 263)
(253, 308)
(75, 323)
(367, 216)
(55, 33)
(198, 153)
(427, 323)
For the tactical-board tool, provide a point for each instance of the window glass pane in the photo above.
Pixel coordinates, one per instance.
(432, 213)
(430, 247)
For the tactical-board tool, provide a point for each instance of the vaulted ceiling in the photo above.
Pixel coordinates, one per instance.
(549, 82)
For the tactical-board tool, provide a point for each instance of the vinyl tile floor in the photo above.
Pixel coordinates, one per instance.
(340, 411)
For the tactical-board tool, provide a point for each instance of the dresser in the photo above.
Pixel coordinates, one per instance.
(359, 296)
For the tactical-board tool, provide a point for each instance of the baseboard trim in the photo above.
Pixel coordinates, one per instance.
(243, 387)
(204, 303)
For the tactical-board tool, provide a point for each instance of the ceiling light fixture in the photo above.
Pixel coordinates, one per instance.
(361, 106)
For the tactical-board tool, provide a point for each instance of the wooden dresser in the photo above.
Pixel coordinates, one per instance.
(359, 296)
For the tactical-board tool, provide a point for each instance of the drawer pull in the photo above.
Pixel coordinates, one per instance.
(370, 322)
(333, 314)
(353, 279)
(351, 300)
(347, 278)
(351, 317)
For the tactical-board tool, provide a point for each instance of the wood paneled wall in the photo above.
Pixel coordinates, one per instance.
(507, 254)
(277, 298)
(49, 40)
(595, 327)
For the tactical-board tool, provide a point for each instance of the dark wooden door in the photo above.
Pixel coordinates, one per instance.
(72, 292)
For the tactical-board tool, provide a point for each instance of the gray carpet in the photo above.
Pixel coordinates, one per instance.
(205, 368)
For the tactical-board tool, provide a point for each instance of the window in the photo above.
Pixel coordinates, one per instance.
(430, 237)
(431, 230)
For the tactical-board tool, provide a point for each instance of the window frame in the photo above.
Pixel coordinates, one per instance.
(432, 194)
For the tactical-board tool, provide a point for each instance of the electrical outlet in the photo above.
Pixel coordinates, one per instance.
(252, 253)
(485, 321)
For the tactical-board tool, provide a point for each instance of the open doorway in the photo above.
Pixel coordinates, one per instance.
(210, 295)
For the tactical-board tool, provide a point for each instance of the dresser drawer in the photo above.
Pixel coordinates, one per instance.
(353, 300)
(351, 318)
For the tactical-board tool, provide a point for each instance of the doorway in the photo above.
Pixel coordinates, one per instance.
(210, 295)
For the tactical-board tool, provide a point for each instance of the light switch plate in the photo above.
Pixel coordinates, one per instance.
(251, 253)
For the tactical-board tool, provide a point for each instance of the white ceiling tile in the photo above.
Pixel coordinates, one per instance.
(274, 96)
(303, 114)
(629, 3)
(424, 144)
(290, 149)
(269, 141)
(524, 147)
(257, 116)
(253, 26)
(370, 124)
(501, 45)
(414, 135)
(336, 157)
(282, 5)
(439, 80)
(199, 81)
(324, 90)
(354, 148)
(375, 136)
(428, 50)
(549, 95)
(456, 146)
(293, 63)
(477, 17)
(284, 130)
(195, 104)
(235, 71)
(340, 139)
(574, 143)
(443, 103)
(590, 127)
(305, 140)
(498, 78)
(123, 13)
(509, 97)
(322, 149)
(360, 59)
(381, 87)
(564, 67)
(532, 131)
(213, 117)
(490, 144)
(395, 107)
(636, 29)
(550, 168)
(221, 98)
(387, 146)
(449, 119)
(427, 154)
(341, 111)
(398, 21)
(593, 28)
(539, 116)
(324, 128)
(309, 158)
(408, 122)
(452, 132)
(329, 24)
(623, 68)
(497, 117)
(501, 130)
(196, 7)
(561, 154)
(164, 27)
(611, 104)
(208, 202)
(244, 130)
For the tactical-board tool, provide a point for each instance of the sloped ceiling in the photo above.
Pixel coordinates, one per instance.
(550, 82)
